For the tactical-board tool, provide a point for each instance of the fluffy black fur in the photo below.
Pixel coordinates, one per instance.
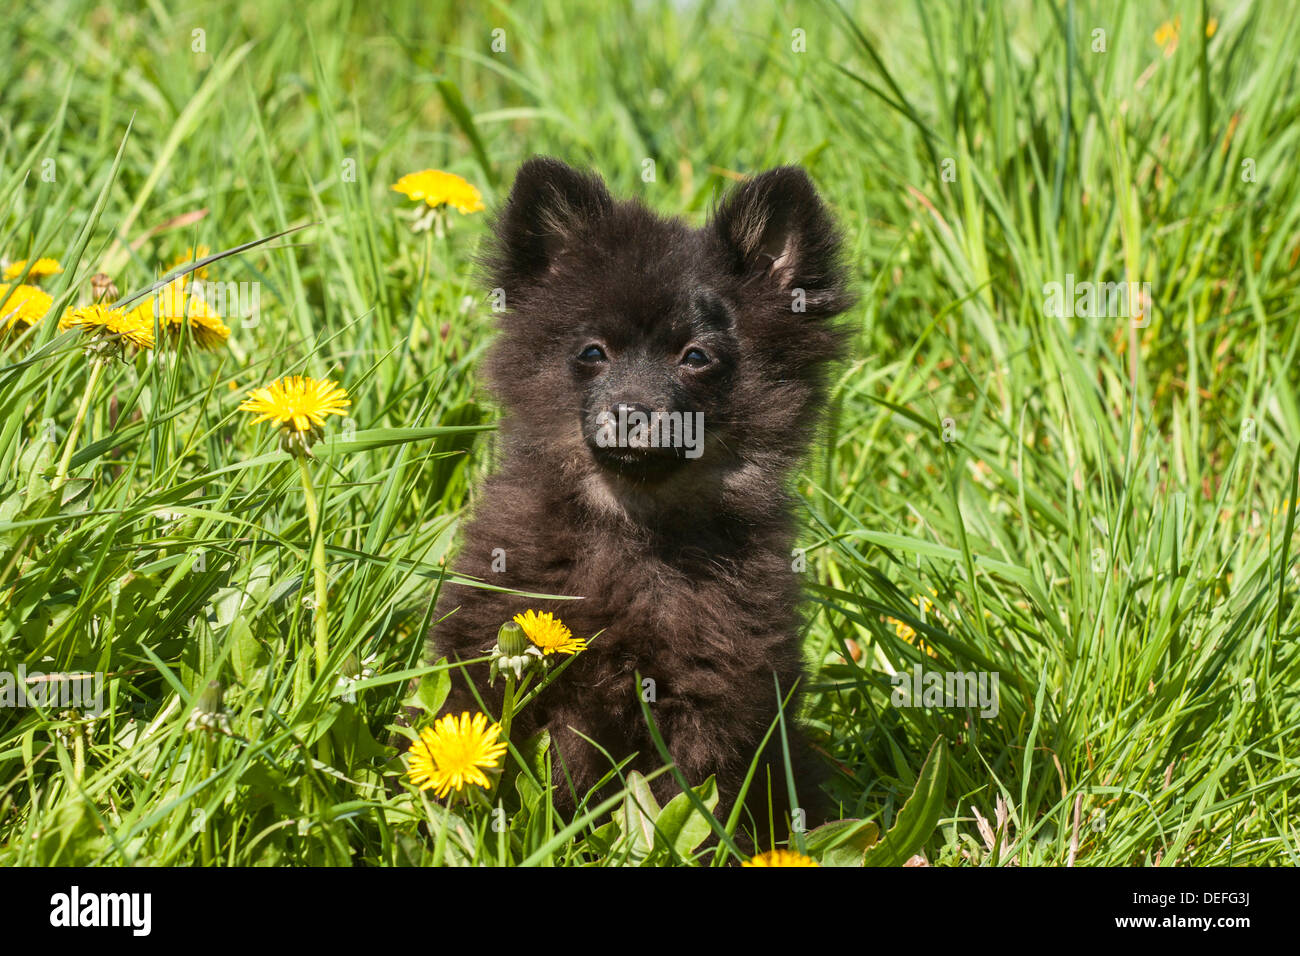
(683, 564)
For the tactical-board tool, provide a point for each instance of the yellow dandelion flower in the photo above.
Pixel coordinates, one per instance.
(1166, 35)
(907, 633)
(192, 254)
(37, 270)
(1211, 27)
(174, 308)
(438, 188)
(114, 324)
(454, 752)
(297, 402)
(780, 858)
(24, 306)
(143, 313)
(549, 634)
(168, 303)
(206, 327)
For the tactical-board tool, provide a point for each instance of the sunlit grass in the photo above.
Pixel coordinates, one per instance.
(1098, 512)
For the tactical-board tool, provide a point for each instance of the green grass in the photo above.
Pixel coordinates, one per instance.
(1098, 512)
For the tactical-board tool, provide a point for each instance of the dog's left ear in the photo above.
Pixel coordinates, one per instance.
(775, 229)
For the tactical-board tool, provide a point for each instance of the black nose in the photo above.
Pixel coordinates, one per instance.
(625, 409)
(634, 423)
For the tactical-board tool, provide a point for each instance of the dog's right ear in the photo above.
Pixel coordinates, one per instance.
(549, 204)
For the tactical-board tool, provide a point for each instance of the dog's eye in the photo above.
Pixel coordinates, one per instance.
(592, 353)
(695, 358)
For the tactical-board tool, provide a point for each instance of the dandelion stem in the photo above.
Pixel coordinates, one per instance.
(318, 565)
(440, 847)
(508, 708)
(61, 476)
(206, 761)
(78, 752)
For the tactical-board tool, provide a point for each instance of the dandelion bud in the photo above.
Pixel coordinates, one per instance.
(210, 699)
(353, 672)
(513, 653)
(209, 713)
(103, 288)
(352, 667)
(511, 639)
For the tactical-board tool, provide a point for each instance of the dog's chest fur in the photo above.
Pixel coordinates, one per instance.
(704, 621)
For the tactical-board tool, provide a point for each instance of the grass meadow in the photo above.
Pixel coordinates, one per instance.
(1094, 504)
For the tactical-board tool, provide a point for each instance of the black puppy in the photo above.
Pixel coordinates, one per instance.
(659, 383)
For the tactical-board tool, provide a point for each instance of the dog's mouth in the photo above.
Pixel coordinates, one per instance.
(640, 465)
(641, 445)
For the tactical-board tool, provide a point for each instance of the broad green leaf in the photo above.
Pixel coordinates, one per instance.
(681, 826)
(431, 692)
(842, 842)
(636, 817)
(919, 815)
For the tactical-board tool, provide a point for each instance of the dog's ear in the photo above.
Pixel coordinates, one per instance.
(549, 204)
(775, 230)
